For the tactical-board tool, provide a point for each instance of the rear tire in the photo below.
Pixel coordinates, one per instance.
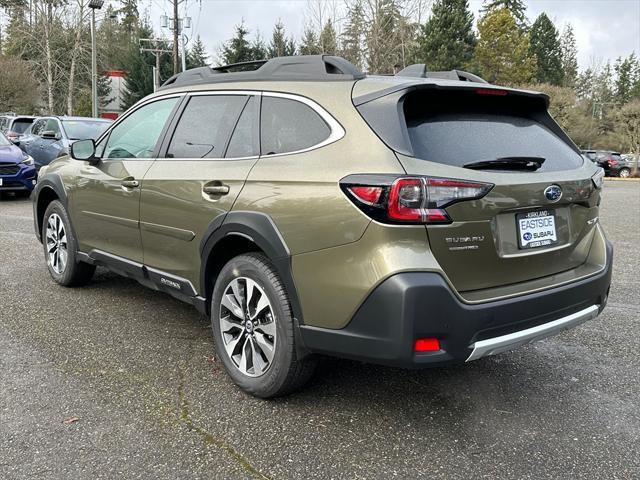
(624, 173)
(61, 248)
(255, 337)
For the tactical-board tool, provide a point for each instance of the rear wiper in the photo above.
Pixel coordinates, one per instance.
(508, 163)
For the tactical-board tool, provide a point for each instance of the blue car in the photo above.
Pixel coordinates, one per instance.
(17, 171)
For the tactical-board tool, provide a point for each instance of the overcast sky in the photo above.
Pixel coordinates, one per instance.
(604, 29)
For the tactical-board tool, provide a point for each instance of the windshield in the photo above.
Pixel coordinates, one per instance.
(3, 140)
(83, 129)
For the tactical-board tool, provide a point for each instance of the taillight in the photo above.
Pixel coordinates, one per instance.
(410, 199)
(612, 163)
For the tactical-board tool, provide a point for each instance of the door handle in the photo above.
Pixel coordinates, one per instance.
(130, 183)
(216, 189)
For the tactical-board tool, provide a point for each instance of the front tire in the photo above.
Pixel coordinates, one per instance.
(253, 329)
(61, 247)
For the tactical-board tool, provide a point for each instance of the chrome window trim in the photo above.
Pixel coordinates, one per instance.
(336, 130)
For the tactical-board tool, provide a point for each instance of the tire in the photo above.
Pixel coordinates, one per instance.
(624, 173)
(261, 364)
(61, 248)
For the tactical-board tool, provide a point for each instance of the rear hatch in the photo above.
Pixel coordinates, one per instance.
(537, 219)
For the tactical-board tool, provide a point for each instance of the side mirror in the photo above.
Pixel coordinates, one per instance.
(50, 135)
(84, 150)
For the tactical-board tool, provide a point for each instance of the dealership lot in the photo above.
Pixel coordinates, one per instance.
(117, 381)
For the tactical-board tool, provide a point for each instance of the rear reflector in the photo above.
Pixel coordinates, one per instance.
(427, 345)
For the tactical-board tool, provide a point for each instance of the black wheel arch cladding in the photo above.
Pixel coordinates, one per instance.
(260, 229)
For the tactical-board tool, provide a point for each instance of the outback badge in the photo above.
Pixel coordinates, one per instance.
(553, 193)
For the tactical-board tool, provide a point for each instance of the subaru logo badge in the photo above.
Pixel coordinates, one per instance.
(553, 193)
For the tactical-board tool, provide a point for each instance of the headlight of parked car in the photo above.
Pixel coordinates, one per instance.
(28, 160)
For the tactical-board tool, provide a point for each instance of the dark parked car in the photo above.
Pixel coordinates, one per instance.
(612, 162)
(50, 137)
(17, 172)
(13, 126)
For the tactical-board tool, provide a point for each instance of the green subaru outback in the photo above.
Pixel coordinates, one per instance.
(408, 220)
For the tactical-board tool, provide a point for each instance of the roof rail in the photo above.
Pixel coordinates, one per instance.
(420, 70)
(295, 68)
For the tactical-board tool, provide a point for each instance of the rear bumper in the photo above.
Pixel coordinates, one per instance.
(415, 305)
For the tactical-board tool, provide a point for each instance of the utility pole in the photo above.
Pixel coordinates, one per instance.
(157, 51)
(176, 28)
(176, 25)
(94, 5)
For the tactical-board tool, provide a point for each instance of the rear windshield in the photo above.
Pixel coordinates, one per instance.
(458, 128)
(21, 124)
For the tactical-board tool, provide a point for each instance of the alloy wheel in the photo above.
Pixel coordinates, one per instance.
(247, 326)
(56, 240)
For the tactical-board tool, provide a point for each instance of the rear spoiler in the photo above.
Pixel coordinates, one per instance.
(443, 84)
(420, 70)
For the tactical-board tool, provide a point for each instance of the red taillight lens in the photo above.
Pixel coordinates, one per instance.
(427, 345)
(410, 199)
(406, 199)
(369, 195)
(612, 163)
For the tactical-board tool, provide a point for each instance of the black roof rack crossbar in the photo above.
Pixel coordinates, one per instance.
(240, 66)
(295, 68)
(420, 70)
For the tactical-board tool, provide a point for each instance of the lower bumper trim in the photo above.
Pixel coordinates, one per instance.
(493, 346)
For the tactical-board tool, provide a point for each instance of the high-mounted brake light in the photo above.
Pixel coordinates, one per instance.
(491, 91)
(414, 200)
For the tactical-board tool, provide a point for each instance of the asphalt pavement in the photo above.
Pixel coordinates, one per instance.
(117, 381)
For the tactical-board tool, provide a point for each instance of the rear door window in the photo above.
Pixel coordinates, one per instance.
(288, 125)
(205, 126)
(245, 140)
(459, 129)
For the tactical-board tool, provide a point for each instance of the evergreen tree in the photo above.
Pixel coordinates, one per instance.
(280, 46)
(447, 39)
(517, 8)
(310, 44)
(569, 55)
(545, 46)
(258, 48)
(502, 52)
(328, 39)
(353, 35)
(627, 84)
(238, 48)
(197, 54)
